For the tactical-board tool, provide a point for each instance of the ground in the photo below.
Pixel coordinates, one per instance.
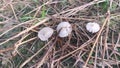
(20, 21)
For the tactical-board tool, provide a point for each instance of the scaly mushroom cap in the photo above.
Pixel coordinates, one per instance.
(93, 27)
(64, 29)
(45, 33)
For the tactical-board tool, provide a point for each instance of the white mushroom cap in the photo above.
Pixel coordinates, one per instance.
(45, 33)
(64, 29)
(93, 27)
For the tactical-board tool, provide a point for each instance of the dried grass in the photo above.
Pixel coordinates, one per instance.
(21, 48)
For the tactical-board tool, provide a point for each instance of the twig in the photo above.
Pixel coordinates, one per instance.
(29, 59)
(82, 46)
(16, 27)
(105, 22)
(44, 58)
(27, 30)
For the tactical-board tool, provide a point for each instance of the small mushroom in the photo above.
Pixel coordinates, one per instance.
(93, 27)
(64, 29)
(45, 33)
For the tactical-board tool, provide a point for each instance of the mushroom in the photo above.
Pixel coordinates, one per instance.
(93, 27)
(45, 33)
(64, 29)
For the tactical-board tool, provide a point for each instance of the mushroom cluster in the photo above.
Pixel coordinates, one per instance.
(64, 29)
